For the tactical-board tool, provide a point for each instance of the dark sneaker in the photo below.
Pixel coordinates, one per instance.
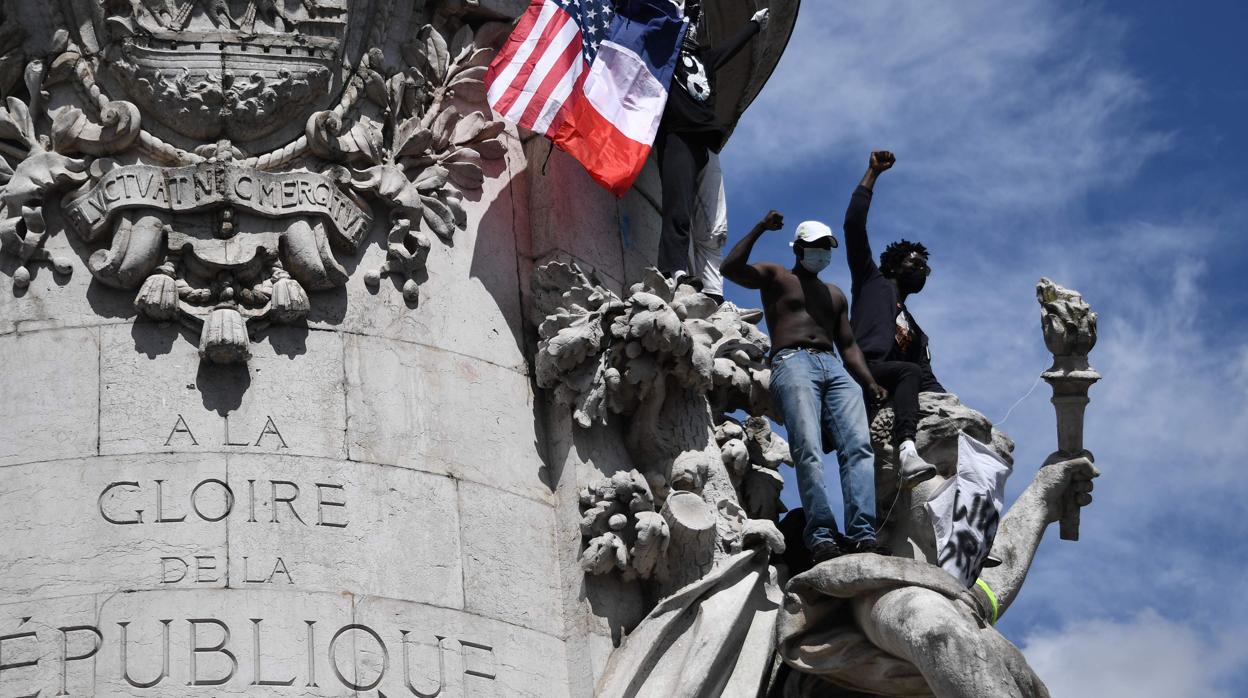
(868, 545)
(825, 551)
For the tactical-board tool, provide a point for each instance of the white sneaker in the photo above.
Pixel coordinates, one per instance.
(913, 468)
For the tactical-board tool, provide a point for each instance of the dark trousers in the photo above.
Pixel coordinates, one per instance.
(904, 380)
(681, 159)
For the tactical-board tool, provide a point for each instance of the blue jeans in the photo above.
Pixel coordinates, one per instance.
(813, 394)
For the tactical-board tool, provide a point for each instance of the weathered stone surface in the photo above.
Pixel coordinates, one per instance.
(598, 608)
(59, 300)
(158, 398)
(169, 522)
(51, 386)
(508, 543)
(656, 364)
(351, 527)
(642, 215)
(481, 657)
(1069, 327)
(299, 644)
(441, 412)
(569, 213)
(63, 543)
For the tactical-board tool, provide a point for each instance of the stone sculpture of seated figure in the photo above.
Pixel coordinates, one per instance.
(899, 626)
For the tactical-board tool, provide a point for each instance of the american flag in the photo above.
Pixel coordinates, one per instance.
(593, 82)
(531, 79)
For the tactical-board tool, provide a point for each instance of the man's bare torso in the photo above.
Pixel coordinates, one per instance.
(801, 310)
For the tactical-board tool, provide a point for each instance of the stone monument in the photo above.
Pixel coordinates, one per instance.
(270, 424)
(319, 380)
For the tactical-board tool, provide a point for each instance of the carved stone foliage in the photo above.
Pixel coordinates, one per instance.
(665, 360)
(752, 452)
(241, 224)
(622, 529)
(602, 354)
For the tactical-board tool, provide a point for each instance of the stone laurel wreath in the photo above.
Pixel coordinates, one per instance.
(401, 139)
(425, 154)
(663, 356)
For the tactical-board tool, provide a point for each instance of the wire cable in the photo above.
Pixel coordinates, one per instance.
(1019, 401)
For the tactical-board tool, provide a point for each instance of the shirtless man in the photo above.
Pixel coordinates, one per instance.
(811, 387)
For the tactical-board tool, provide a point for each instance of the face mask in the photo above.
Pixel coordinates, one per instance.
(814, 260)
(911, 282)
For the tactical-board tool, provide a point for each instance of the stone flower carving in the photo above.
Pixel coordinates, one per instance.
(602, 354)
(221, 239)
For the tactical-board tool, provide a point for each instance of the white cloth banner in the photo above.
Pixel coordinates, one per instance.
(966, 509)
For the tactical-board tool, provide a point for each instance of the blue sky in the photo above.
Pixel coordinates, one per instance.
(1102, 145)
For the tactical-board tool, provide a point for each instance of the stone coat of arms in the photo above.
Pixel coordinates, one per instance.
(220, 157)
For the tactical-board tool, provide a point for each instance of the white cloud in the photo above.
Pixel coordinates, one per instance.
(1009, 104)
(1146, 656)
(1163, 423)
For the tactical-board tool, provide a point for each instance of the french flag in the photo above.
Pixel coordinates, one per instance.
(591, 75)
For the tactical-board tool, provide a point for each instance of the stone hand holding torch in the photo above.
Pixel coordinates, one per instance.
(1069, 327)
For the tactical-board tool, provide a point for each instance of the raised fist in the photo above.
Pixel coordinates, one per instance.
(882, 160)
(774, 220)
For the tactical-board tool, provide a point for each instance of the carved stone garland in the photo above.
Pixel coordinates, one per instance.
(665, 360)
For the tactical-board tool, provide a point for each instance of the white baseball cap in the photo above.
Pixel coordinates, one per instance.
(810, 231)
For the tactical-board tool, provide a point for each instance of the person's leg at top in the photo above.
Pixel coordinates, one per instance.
(681, 158)
(845, 419)
(709, 229)
(902, 380)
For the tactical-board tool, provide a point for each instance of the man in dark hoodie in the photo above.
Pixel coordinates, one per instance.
(690, 131)
(892, 342)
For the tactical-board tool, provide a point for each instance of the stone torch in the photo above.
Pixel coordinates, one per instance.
(1069, 327)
